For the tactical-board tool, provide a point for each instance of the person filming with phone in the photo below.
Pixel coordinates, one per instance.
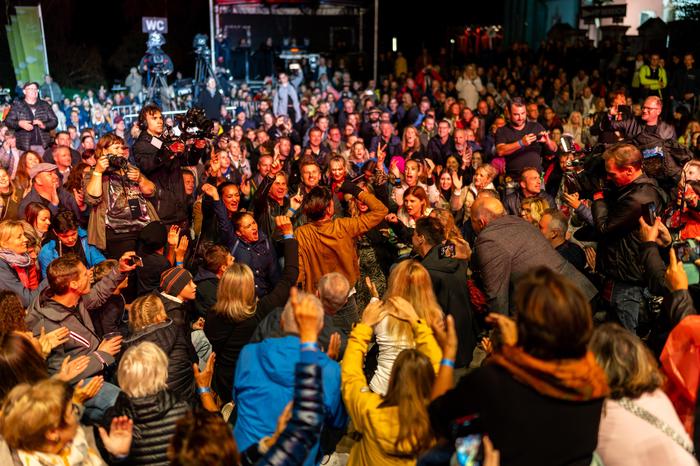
(67, 302)
(119, 195)
(616, 213)
(522, 142)
(621, 119)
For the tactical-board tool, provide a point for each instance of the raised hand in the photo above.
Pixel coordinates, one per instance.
(446, 336)
(333, 350)
(118, 440)
(509, 332)
(85, 391)
(181, 250)
(373, 313)
(203, 378)
(210, 191)
(245, 186)
(284, 224)
(53, 339)
(457, 181)
(70, 369)
(306, 316)
(371, 287)
(173, 236)
(402, 309)
(111, 346)
(676, 278)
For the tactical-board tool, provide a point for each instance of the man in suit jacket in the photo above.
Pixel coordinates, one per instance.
(508, 246)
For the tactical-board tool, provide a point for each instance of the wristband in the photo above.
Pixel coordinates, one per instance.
(203, 390)
(94, 173)
(520, 143)
(294, 211)
(178, 263)
(310, 346)
(448, 362)
(288, 237)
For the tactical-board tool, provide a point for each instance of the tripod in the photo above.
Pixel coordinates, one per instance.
(202, 72)
(156, 85)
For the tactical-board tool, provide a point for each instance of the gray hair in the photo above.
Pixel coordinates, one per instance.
(289, 324)
(143, 370)
(558, 222)
(333, 289)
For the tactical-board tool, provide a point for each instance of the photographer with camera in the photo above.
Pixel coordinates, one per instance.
(616, 215)
(118, 193)
(162, 163)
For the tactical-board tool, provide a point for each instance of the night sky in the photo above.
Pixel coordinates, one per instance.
(85, 44)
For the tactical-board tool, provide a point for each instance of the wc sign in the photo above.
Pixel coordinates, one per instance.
(151, 24)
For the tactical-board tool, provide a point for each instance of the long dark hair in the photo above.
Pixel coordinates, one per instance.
(20, 362)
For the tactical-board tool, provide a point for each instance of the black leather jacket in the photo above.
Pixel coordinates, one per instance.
(617, 222)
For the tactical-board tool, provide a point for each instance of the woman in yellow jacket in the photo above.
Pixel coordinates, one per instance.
(395, 428)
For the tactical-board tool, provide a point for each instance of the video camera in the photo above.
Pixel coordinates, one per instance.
(585, 174)
(191, 129)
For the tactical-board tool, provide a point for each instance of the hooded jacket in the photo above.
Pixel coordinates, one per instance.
(207, 284)
(177, 345)
(264, 384)
(449, 277)
(83, 340)
(48, 252)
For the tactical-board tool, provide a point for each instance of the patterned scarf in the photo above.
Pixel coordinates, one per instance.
(566, 379)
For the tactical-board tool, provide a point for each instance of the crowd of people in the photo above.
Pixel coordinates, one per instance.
(488, 265)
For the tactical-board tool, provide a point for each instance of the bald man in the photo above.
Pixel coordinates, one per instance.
(506, 247)
(650, 122)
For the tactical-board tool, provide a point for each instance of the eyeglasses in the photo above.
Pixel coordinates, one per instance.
(650, 108)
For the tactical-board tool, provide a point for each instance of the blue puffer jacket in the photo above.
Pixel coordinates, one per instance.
(48, 253)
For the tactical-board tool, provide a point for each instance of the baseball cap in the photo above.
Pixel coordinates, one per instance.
(41, 168)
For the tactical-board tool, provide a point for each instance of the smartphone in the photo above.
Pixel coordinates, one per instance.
(294, 66)
(625, 110)
(135, 260)
(468, 436)
(688, 252)
(446, 250)
(649, 213)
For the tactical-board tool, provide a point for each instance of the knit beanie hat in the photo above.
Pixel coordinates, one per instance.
(174, 280)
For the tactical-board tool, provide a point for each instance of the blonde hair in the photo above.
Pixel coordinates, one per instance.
(411, 281)
(235, 296)
(29, 412)
(145, 311)
(143, 370)
(537, 207)
(8, 228)
(488, 169)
